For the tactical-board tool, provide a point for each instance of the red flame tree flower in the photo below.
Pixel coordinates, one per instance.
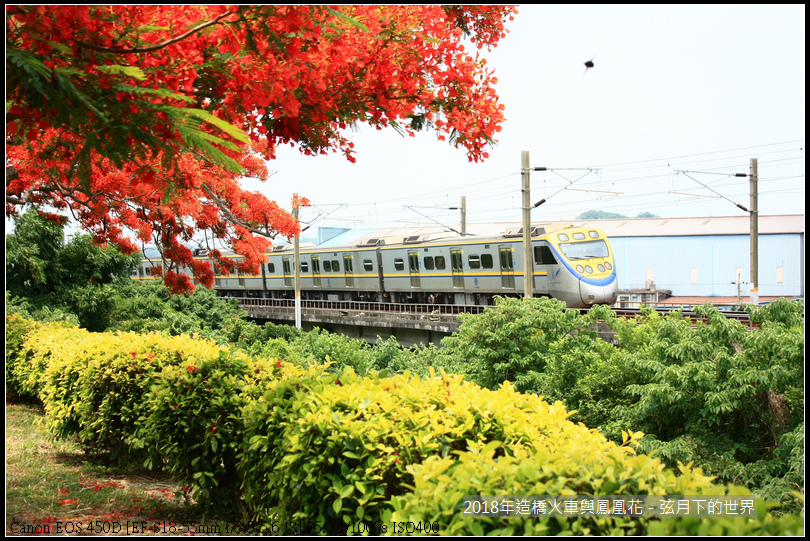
(145, 118)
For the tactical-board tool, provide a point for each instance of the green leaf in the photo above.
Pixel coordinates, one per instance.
(205, 116)
(128, 71)
(351, 20)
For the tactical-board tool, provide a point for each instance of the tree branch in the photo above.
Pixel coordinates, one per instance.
(224, 208)
(121, 50)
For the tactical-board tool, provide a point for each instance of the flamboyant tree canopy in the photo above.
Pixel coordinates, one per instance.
(145, 118)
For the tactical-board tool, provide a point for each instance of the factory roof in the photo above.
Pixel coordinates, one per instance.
(614, 228)
(668, 227)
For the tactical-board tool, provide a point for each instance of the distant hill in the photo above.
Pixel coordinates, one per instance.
(602, 215)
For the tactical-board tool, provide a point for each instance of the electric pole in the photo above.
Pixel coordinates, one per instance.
(528, 274)
(463, 215)
(297, 266)
(754, 235)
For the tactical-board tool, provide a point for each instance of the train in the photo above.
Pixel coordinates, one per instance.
(572, 264)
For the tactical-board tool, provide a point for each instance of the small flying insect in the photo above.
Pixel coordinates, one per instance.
(589, 64)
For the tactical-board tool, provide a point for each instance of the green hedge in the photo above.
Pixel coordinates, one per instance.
(268, 440)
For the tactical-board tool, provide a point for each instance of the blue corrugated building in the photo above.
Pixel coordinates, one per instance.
(707, 257)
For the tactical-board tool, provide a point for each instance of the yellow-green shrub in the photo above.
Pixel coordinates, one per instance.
(123, 369)
(17, 359)
(49, 366)
(572, 461)
(337, 447)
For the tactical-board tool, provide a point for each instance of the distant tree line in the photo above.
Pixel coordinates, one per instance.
(603, 215)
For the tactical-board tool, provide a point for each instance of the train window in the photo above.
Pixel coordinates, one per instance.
(440, 262)
(593, 234)
(399, 264)
(486, 261)
(271, 268)
(347, 263)
(474, 261)
(506, 259)
(455, 259)
(327, 265)
(579, 236)
(543, 256)
(563, 237)
(429, 263)
(286, 265)
(368, 265)
(304, 266)
(585, 250)
(335, 266)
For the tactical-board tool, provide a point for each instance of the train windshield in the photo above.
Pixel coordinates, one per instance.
(584, 250)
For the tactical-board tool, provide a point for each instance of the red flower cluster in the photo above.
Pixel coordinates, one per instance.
(156, 133)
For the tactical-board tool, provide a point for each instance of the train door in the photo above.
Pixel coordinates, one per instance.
(457, 267)
(287, 269)
(348, 270)
(413, 269)
(316, 271)
(507, 267)
(545, 266)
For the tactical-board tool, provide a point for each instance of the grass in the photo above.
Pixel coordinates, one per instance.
(53, 487)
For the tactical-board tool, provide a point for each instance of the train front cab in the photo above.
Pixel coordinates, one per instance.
(588, 275)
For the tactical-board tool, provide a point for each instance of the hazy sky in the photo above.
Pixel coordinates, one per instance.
(674, 88)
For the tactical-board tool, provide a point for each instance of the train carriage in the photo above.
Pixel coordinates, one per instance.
(326, 274)
(572, 264)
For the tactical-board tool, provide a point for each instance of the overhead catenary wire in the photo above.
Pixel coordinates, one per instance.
(493, 198)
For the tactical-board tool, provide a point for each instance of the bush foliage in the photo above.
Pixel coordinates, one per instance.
(713, 392)
(267, 439)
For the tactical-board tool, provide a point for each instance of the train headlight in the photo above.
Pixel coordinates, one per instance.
(588, 269)
(600, 267)
(580, 269)
(608, 266)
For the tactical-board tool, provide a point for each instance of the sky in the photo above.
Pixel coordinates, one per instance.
(679, 98)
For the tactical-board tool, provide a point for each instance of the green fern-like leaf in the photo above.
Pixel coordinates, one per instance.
(207, 117)
(127, 71)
